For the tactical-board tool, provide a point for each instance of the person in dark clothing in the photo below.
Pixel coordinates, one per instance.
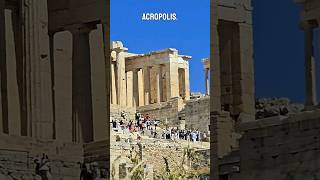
(114, 124)
(155, 135)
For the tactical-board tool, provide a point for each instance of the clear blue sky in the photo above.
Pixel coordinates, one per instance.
(278, 50)
(190, 34)
(278, 43)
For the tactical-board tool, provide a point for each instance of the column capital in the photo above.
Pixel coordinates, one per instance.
(118, 47)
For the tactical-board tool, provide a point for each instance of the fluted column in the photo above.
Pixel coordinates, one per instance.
(17, 19)
(37, 71)
(81, 86)
(310, 67)
(141, 87)
(121, 79)
(146, 73)
(182, 88)
(113, 84)
(207, 81)
(158, 84)
(129, 78)
(187, 83)
(135, 88)
(3, 72)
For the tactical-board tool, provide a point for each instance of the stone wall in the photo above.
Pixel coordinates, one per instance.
(164, 111)
(282, 149)
(115, 111)
(155, 150)
(197, 114)
(96, 152)
(17, 155)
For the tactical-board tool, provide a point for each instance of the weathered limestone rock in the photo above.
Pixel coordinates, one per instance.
(268, 107)
(197, 114)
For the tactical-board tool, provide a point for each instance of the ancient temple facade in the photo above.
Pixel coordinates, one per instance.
(53, 84)
(143, 79)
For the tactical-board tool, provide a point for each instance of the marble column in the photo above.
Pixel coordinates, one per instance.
(38, 70)
(207, 81)
(163, 82)
(12, 80)
(135, 89)
(187, 83)
(81, 86)
(158, 84)
(113, 84)
(3, 72)
(146, 73)
(99, 92)
(243, 102)
(153, 85)
(62, 85)
(310, 67)
(141, 87)
(181, 76)
(174, 80)
(121, 79)
(20, 65)
(167, 81)
(129, 77)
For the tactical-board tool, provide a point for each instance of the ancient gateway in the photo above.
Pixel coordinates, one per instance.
(148, 78)
(53, 86)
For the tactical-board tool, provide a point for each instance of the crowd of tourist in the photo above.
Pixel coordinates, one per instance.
(145, 125)
(175, 133)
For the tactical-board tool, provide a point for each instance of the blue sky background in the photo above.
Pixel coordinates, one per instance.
(279, 50)
(190, 34)
(278, 42)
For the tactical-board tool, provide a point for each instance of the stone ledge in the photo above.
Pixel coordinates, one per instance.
(279, 120)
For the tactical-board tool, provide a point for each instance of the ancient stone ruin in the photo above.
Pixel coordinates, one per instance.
(279, 145)
(53, 86)
(58, 88)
